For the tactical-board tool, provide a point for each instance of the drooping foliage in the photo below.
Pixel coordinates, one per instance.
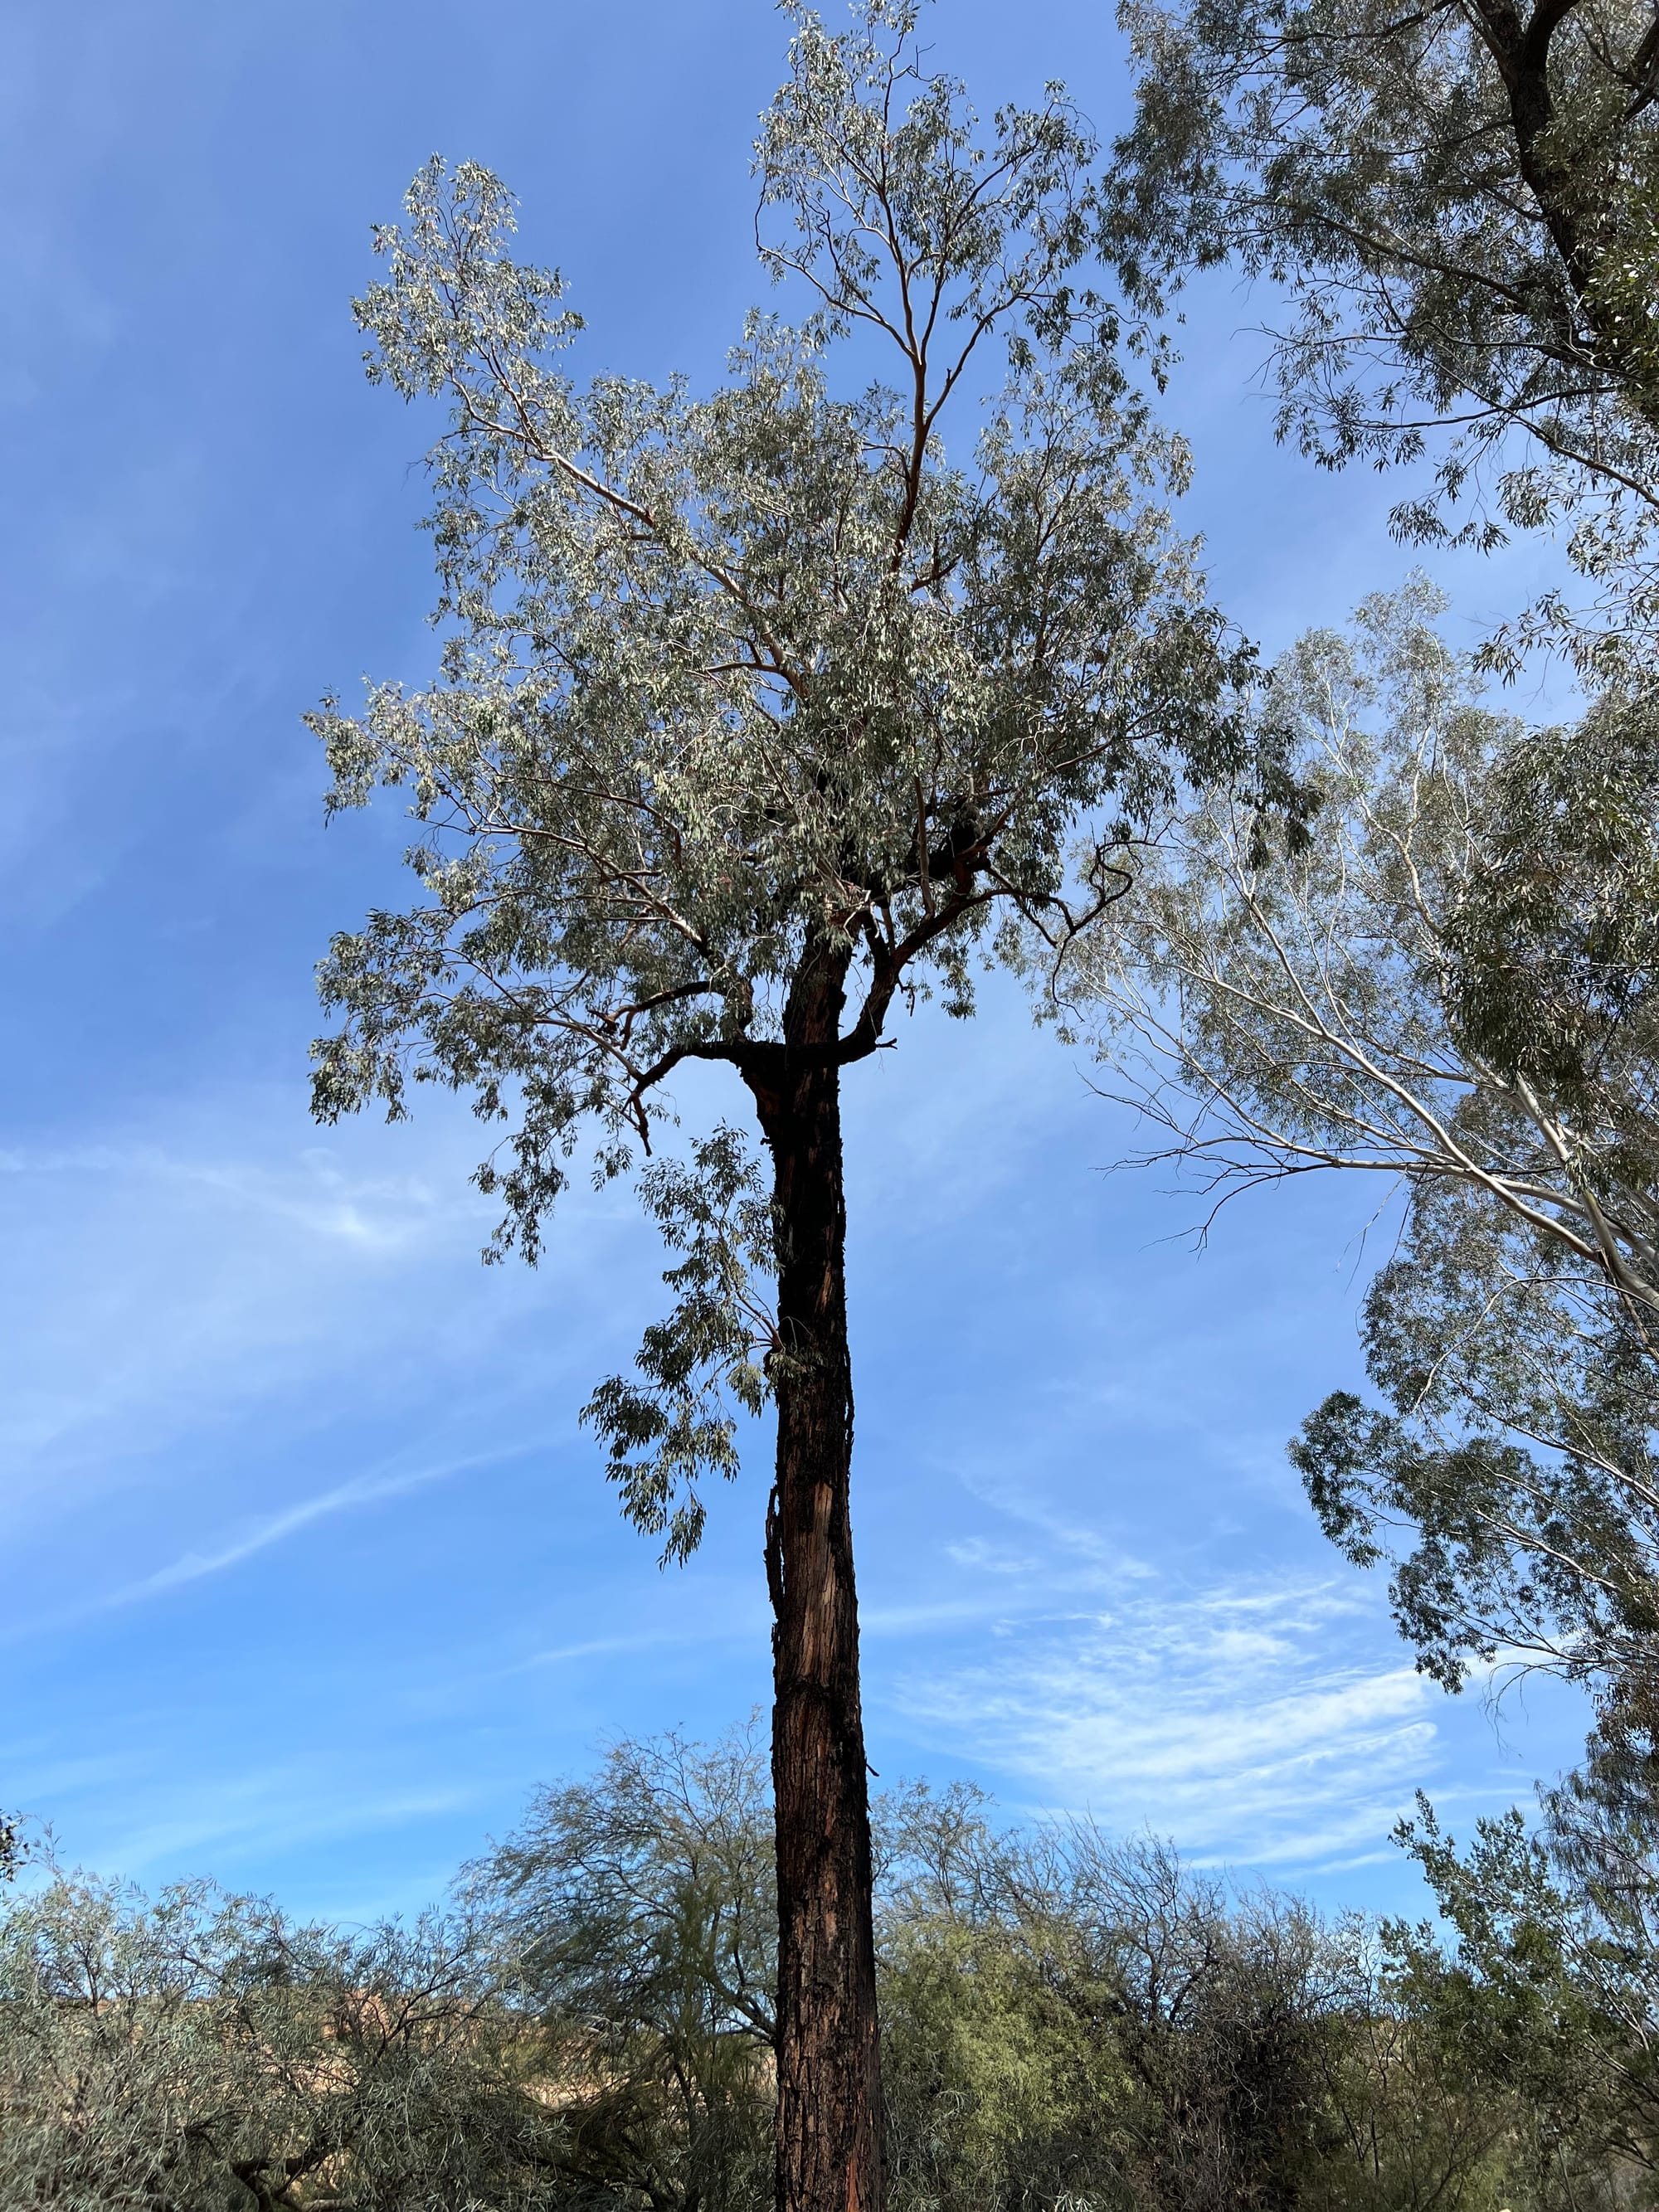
(1551, 1985)
(639, 1911)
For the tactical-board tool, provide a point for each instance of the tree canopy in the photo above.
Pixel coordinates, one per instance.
(1450, 987)
(726, 678)
(1456, 203)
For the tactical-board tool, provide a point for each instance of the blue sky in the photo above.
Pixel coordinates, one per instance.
(306, 1574)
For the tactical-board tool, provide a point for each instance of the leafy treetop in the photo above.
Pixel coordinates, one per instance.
(740, 690)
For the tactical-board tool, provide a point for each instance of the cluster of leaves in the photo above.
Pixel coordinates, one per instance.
(1552, 1987)
(1456, 202)
(715, 1355)
(639, 1912)
(724, 675)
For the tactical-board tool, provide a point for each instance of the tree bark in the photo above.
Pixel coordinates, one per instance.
(830, 2129)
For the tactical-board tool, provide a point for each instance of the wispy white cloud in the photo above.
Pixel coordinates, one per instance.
(244, 1539)
(1267, 1716)
(280, 1807)
(161, 1288)
(741, 1622)
(305, 1186)
(258, 1535)
(1221, 1715)
(990, 1558)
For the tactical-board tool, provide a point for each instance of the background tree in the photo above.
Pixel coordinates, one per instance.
(754, 716)
(1002, 2091)
(1551, 1989)
(199, 2053)
(1066, 2020)
(1451, 988)
(1458, 203)
(638, 1916)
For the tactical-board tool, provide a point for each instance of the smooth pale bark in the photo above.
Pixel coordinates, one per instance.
(830, 2129)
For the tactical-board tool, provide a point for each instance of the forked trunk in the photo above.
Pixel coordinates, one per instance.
(830, 2148)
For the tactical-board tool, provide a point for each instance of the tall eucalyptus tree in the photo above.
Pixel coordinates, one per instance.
(754, 716)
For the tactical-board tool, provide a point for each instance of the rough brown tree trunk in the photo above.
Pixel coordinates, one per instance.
(830, 2146)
